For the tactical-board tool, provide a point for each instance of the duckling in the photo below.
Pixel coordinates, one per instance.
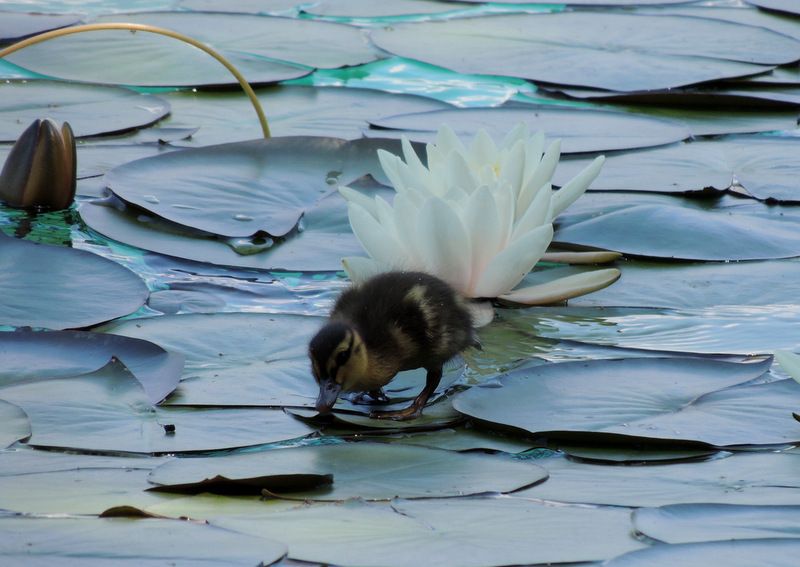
(393, 321)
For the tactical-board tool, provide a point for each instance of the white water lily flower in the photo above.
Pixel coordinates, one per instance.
(478, 218)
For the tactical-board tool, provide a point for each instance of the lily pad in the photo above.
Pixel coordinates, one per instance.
(370, 471)
(62, 288)
(741, 553)
(15, 425)
(96, 541)
(779, 5)
(15, 26)
(125, 421)
(687, 523)
(661, 226)
(573, 48)
(239, 189)
(462, 532)
(28, 355)
(766, 167)
(264, 49)
(91, 110)
(580, 129)
(608, 400)
(761, 477)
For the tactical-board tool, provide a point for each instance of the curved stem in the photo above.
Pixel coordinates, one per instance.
(143, 27)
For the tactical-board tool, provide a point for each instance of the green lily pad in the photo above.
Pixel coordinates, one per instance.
(680, 400)
(125, 421)
(15, 26)
(462, 532)
(761, 477)
(766, 167)
(573, 48)
(62, 288)
(741, 553)
(91, 110)
(114, 541)
(662, 226)
(580, 129)
(264, 49)
(370, 471)
(15, 425)
(29, 355)
(240, 189)
(687, 523)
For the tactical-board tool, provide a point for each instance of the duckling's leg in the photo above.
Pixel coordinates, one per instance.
(373, 397)
(415, 409)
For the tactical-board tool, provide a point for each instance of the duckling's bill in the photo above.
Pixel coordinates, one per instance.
(328, 393)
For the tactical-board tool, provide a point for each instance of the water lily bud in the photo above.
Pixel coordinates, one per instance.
(41, 170)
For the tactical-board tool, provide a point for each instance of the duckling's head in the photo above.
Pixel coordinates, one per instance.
(338, 361)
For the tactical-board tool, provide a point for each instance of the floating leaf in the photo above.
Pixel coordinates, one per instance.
(779, 5)
(16, 26)
(687, 523)
(462, 532)
(123, 420)
(60, 288)
(742, 553)
(580, 129)
(91, 110)
(28, 355)
(14, 425)
(767, 168)
(115, 541)
(371, 471)
(762, 477)
(614, 51)
(608, 400)
(661, 226)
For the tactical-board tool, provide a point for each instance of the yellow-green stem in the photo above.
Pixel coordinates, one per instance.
(152, 29)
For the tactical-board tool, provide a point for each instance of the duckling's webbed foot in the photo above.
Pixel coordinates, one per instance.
(372, 397)
(415, 409)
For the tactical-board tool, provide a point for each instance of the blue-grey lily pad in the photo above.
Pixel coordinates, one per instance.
(15, 26)
(30, 355)
(107, 411)
(63, 288)
(115, 541)
(614, 51)
(371, 471)
(736, 553)
(91, 110)
(673, 399)
(778, 5)
(580, 129)
(14, 425)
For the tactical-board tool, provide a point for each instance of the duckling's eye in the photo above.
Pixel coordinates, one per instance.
(342, 357)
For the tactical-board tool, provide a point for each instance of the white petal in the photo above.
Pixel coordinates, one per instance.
(790, 363)
(359, 269)
(357, 197)
(534, 147)
(405, 213)
(565, 288)
(506, 211)
(541, 175)
(519, 132)
(536, 214)
(389, 163)
(585, 257)
(374, 238)
(514, 262)
(386, 216)
(447, 141)
(481, 312)
(436, 157)
(444, 243)
(576, 186)
(458, 173)
(413, 161)
(513, 167)
(483, 223)
(482, 151)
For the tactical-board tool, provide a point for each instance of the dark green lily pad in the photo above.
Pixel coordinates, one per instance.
(761, 477)
(741, 553)
(680, 400)
(29, 355)
(15, 26)
(580, 129)
(687, 523)
(264, 49)
(115, 541)
(63, 288)
(573, 48)
(457, 532)
(370, 471)
(91, 110)
(14, 425)
(767, 168)
(123, 420)
(662, 226)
